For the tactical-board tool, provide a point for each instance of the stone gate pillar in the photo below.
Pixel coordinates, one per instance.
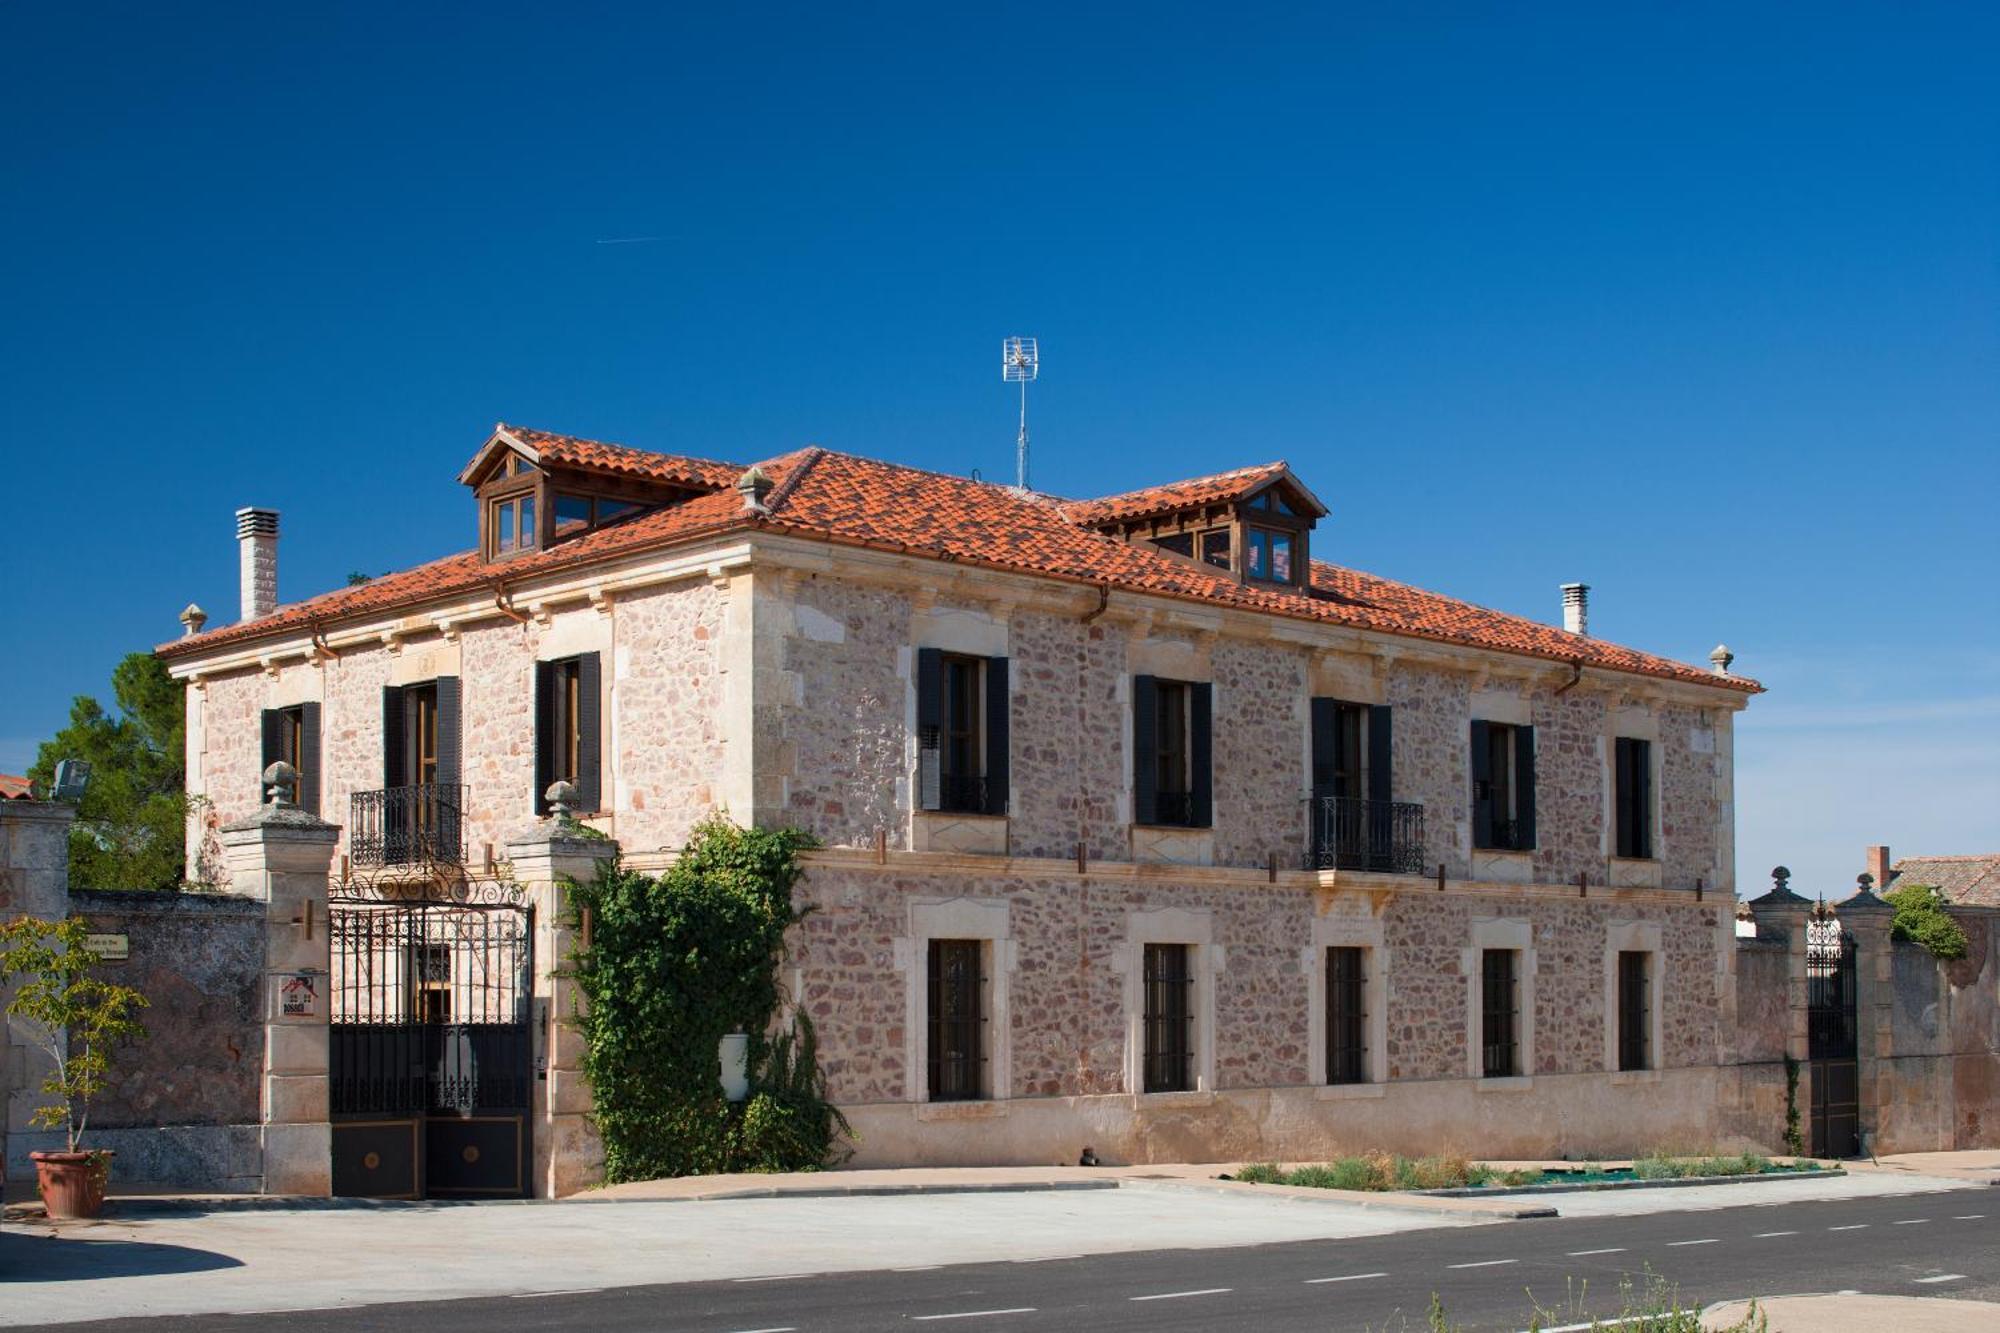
(1781, 915)
(282, 855)
(1867, 918)
(568, 1156)
(34, 881)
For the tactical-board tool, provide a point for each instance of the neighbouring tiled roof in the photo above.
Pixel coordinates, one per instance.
(859, 501)
(619, 459)
(15, 789)
(1217, 489)
(1972, 881)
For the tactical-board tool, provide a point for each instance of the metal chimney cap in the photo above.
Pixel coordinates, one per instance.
(1722, 659)
(193, 618)
(252, 521)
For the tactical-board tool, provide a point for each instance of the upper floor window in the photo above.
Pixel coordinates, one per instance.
(1269, 556)
(1215, 547)
(1270, 500)
(511, 524)
(579, 513)
(1172, 773)
(1632, 794)
(292, 735)
(962, 728)
(1503, 787)
(568, 746)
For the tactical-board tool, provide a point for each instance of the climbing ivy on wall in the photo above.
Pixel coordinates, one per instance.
(1921, 917)
(675, 963)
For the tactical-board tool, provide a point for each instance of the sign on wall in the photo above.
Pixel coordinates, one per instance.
(109, 948)
(298, 995)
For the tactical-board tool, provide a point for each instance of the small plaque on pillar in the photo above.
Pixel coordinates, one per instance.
(109, 948)
(299, 995)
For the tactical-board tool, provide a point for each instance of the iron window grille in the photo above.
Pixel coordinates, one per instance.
(1499, 1015)
(1346, 1015)
(957, 1036)
(1168, 1019)
(1634, 1011)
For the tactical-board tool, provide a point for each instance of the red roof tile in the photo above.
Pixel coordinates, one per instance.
(15, 789)
(859, 501)
(1220, 488)
(621, 460)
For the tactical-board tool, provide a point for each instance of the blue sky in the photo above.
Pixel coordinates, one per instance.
(1696, 304)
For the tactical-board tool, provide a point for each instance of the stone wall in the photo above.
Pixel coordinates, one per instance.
(1942, 1081)
(1431, 739)
(1262, 719)
(1068, 725)
(670, 738)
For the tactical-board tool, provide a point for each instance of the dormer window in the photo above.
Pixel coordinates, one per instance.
(511, 524)
(1268, 556)
(579, 513)
(1254, 525)
(1215, 547)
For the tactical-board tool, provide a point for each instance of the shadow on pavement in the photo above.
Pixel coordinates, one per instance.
(42, 1258)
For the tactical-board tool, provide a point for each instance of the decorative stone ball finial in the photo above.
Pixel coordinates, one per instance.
(1722, 658)
(192, 619)
(753, 486)
(561, 797)
(1781, 879)
(281, 785)
(1865, 881)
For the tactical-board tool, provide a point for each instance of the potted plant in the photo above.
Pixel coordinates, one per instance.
(78, 1019)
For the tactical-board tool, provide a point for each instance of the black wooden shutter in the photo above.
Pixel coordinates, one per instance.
(1325, 722)
(545, 733)
(1635, 797)
(393, 752)
(997, 704)
(1201, 755)
(1145, 749)
(930, 728)
(1622, 794)
(1524, 786)
(1381, 783)
(449, 771)
(308, 759)
(1482, 785)
(589, 738)
(274, 744)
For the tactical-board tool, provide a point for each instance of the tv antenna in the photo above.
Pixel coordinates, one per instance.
(1020, 361)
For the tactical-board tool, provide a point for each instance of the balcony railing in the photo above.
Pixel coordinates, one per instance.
(1349, 833)
(408, 825)
(961, 793)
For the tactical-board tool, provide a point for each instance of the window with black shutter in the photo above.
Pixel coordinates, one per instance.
(1503, 787)
(956, 1022)
(1346, 1015)
(291, 735)
(962, 733)
(568, 740)
(1168, 1019)
(419, 816)
(1632, 789)
(1173, 752)
(1500, 1013)
(1635, 1015)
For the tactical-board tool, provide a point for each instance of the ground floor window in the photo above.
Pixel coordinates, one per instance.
(1499, 1012)
(1169, 1018)
(1635, 1010)
(957, 1023)
(1346, 1015)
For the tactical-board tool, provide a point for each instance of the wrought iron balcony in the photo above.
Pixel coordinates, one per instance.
(1349, 833)
(423, 824)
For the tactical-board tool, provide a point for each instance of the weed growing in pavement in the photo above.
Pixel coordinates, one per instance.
(1654, 1166)
(1383, 1171)
(1656, 1307)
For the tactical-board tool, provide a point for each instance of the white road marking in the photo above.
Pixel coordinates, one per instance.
(1912, 1222)
(1485, 1263)
(972, 1314)
(567, 1291)
(1615, 1249)
(1350, 1277)
(1676, 1244)
(776, 1277)
(1944, 1277)
(1766, 1235)
(1176, 1295)
(918, 1268)
(1851, 1226)
(782, 1328)
(1968, 1217)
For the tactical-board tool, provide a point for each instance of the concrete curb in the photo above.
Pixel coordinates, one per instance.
(1592, 1186)
(1389, 1200)
(853, 1191)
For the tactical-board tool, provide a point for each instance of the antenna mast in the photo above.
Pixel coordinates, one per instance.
(1020, 361)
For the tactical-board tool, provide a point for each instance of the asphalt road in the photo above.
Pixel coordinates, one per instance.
(1488, 1278)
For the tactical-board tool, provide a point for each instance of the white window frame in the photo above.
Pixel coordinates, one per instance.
(983, 919)
(1333, 932)
(1634, 937)
(1170, 925)
(1518, 935)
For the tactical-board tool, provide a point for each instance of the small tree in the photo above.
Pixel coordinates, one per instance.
(77, 1017)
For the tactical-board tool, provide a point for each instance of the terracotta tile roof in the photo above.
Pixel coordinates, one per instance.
(858, 501)
(15, 789)
(621, 460)
(1217, 489)
(1970, 881)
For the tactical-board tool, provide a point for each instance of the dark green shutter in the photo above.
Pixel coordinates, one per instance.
(930, 728)
(1201, 755)
(1381, 784)
(394, 744)
(449, 770)
(1145, 749)
(307, 761)
(1524, 786)
(1325, 737)
(274, 744)
(589, 738)
(997, 705)
(545, 734)
(1482, 785)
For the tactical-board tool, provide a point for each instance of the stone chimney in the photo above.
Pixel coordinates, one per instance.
(257, 543)
(1878, 866)
(1576, 608)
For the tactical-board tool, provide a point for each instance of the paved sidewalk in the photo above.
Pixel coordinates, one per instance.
(1860, 1314)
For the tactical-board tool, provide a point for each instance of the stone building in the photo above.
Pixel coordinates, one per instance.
(1141, 829)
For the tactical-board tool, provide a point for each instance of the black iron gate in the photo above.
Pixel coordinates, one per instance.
(1831, 1039)
(432, 1060)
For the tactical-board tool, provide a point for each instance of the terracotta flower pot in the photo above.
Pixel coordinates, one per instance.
(72, 1183)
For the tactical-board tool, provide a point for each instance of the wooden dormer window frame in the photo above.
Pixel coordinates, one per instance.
(1263, 539)
(558, 504)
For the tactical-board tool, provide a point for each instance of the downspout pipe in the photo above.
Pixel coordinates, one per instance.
(1575, 675)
